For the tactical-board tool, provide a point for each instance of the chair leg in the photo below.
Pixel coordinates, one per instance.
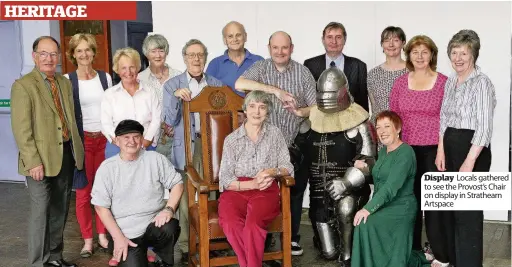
(204, 251)
(192, 245)
(286, 240)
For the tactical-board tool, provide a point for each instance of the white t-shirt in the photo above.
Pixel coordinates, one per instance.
(91, 93)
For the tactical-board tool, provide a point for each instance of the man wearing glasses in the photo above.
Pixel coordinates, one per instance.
(44, 127)
(180, 88)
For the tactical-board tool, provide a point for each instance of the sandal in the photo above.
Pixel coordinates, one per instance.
(85, 253)
(102, 248)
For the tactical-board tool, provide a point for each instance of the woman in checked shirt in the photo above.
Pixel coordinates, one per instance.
(464, 146)
(253, 156)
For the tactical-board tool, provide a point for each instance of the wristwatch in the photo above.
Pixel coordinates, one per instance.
(169, 208)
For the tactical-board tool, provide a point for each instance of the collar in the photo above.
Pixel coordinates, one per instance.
(153, 75)
(287, 68)
(189, 77)
(44, 74)
(241, 132)
(120, 87)
(476, 72)
(339, 60)
(225, 56)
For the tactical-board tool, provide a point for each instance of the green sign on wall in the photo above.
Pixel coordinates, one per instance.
(5, 103)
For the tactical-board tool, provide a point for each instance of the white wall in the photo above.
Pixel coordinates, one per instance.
(364, 21)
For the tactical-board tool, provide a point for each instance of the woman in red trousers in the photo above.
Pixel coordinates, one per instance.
(88, 88)
(253, 156)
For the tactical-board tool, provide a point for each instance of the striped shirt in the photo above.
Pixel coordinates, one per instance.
(241, 157)
(297, 80)
(470, 106)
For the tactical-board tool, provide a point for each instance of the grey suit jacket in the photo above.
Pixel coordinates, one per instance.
(172, 110)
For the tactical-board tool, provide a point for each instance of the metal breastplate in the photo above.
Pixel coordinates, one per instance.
(331, 154)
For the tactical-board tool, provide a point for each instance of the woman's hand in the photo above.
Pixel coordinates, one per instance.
(440, 161)
(467, 166)
(361, 215)
(263, 180)
(360, 164)
(146, 143)
(183, 93)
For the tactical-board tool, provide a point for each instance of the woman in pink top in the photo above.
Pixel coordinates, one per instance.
(417, 97)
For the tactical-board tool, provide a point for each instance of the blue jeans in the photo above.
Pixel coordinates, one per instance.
(112, 150)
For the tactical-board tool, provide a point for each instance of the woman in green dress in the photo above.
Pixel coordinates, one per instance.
(384, 226)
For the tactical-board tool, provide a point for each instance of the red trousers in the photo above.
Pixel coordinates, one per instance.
(244, 217)
(94, 155)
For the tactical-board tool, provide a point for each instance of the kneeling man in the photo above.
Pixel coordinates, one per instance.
(128, 194)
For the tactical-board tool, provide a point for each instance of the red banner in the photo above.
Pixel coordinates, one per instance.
(68, 10)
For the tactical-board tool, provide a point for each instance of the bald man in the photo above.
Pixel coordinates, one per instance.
(236, 59)
(294, 89)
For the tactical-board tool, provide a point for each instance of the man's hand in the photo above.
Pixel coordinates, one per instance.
(336, 188)
(292, 108)
(183, 93)
(163, 217)
(121, 248)
(285, 97)
(37, 173)
(168, 130)
(146, 143)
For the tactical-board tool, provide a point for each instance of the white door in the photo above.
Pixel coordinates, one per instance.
(10, 69)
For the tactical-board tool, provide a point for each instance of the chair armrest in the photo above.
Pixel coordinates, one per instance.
(197, 182)
(286, 180)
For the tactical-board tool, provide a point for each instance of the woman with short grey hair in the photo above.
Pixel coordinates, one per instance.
(156, 48)
(261, 97)
(253, 157)
(464, 146)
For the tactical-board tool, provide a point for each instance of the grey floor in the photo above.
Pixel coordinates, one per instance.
(14, 210)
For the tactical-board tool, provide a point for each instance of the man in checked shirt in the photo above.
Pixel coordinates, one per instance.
(293, 86)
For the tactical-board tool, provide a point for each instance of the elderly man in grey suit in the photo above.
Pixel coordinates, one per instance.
(180, 88)
(45, 130)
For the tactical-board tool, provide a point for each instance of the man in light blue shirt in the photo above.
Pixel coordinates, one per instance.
(236, 59)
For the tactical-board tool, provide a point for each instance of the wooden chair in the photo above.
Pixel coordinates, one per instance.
(218, 108)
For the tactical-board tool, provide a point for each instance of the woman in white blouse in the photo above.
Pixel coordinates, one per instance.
(156, 49)
(88, 89)
(130, 99)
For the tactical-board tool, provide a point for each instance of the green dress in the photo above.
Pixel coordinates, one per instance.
(385, 240)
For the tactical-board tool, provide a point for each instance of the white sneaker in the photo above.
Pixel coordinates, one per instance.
(296, 249)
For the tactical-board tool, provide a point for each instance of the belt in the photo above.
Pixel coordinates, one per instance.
(93, 134)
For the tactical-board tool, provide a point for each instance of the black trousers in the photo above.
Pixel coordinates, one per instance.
(162, 239)
(457, 236)
(425, 162)
(301, 175)
(49, 206)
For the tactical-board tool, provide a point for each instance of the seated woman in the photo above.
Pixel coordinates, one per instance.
(384, 239)
(253, 156)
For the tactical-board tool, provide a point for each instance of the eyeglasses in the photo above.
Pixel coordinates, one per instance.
(46, 54)
(193, 55)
